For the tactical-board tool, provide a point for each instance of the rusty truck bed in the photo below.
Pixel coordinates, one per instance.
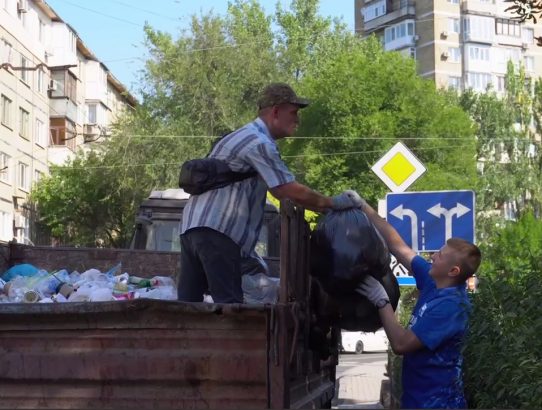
(152, 354)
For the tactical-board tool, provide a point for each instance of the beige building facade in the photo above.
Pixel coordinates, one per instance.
(55, 97)
(460, 44)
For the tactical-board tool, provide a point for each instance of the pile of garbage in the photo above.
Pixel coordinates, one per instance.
(26, 283)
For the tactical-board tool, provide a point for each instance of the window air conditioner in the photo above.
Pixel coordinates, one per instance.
(90, 130)
(53, 86)
(22, 6)
(445, 54)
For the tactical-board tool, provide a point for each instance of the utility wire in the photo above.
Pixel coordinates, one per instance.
(135, 165)
(103, 14)
(132, 7)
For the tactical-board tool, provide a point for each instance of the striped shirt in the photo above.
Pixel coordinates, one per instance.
(237, 209)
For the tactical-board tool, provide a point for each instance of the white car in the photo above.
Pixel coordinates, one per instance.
(360, 342)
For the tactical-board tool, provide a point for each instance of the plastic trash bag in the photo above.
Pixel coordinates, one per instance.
(345, 246)
(23, 269)
(352, 311)
(260, 288)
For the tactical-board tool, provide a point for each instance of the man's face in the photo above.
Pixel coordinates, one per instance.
(443, 262)
(285, 120)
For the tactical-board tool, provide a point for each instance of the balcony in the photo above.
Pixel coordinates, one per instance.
(407, 9)
(63, 107)
(478, 7)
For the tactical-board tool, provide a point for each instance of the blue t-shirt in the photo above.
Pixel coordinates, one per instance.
(432, 375)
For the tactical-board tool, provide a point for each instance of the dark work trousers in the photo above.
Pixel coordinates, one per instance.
(210, 261)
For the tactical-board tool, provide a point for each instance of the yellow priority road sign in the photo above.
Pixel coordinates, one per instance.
(398, 168)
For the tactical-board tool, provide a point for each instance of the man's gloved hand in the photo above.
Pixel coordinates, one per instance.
(373, 291)
(346, 200)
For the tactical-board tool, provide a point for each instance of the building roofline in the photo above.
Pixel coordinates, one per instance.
(87, 52)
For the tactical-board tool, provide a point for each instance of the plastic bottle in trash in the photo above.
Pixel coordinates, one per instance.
(140, 282)
(49, 285)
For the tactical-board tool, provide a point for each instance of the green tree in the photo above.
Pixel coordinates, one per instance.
(508, 150)
(503, 362)
(380, 101)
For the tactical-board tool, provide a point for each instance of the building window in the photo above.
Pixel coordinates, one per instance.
(479, 28)
(41, 31)
(528, 61)
(40, 80)
(403, 29)
(509, 54)
(6, 226)
(22, 16)
(501, 84)
(66, 85)
(478, 81)
(374, 10)
(24, 72)
(4, 168)
(455, 54)
(7, 52)
(454, 83)
(24, 120)
(507, 27)
(22, 176)
(453, 25)
(41, 138)
(6, 112)
(527, 35)
(479, 53)
(92, 114)
(37, 176)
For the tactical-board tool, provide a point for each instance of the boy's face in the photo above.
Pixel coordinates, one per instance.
(444, 263)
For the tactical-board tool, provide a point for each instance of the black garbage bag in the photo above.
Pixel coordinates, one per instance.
(352, 311)
(345, 246)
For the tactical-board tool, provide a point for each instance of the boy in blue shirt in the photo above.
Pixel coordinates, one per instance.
(431, 344)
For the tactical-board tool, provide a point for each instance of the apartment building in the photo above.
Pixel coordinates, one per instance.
(55, 97)
(457, 43)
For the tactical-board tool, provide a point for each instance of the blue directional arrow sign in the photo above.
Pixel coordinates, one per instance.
(426, 220)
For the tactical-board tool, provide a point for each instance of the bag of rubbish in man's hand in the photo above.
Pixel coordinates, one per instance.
(352, 311)
(345, 246)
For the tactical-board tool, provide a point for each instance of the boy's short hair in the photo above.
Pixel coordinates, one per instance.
(469, 256)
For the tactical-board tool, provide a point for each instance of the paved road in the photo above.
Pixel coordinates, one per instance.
(359, 378)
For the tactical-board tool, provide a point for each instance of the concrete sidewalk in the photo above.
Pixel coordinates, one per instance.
(360, 387)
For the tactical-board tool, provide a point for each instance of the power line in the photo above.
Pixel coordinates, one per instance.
(103, 14)
(144, 10)
(304, 138)
(132, 165)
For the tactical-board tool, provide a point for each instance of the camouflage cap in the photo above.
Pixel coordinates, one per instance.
(280, 93)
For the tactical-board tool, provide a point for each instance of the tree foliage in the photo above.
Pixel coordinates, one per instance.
(502, 355)
(380, 100)
(507, 144)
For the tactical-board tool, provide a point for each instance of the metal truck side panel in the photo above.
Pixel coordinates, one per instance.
(138, 354)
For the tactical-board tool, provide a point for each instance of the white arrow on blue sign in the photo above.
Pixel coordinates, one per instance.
(426, 220)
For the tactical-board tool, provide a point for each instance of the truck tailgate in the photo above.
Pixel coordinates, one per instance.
(137, 354)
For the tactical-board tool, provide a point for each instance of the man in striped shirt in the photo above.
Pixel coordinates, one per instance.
(220, 227)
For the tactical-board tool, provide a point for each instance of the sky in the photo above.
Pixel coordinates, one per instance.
(113, 29)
